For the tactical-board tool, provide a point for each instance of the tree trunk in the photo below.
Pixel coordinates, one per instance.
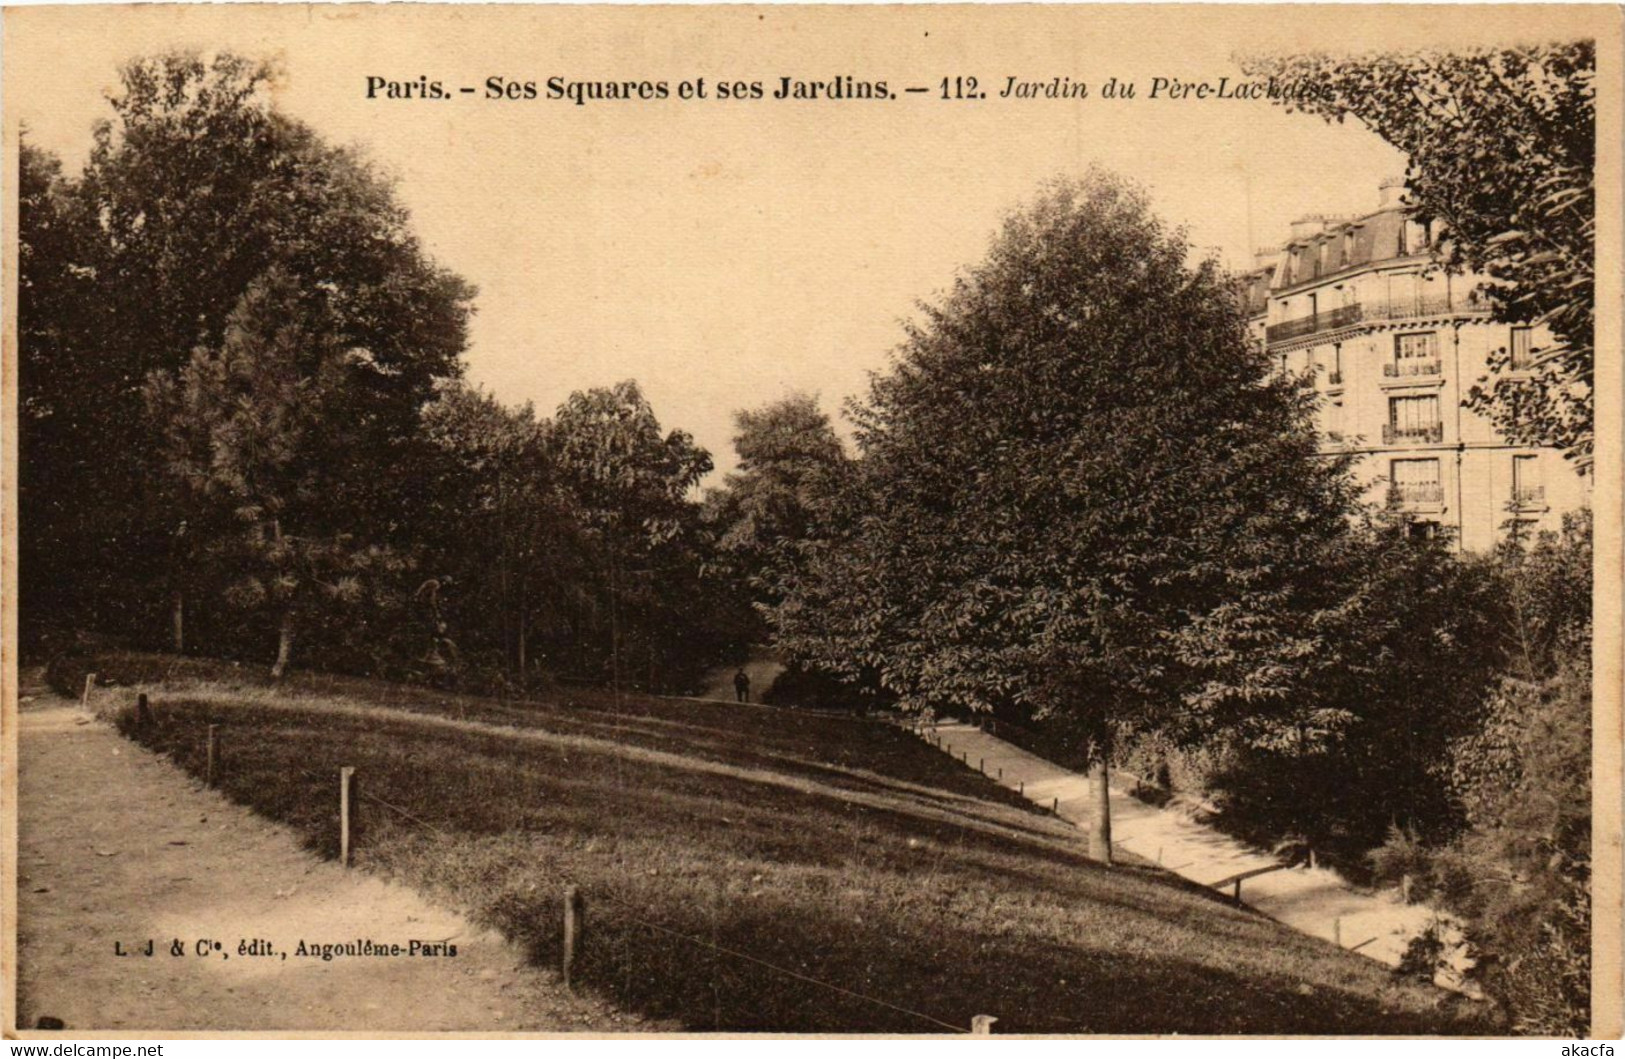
(284, 647)
(1100, 811)
(178, 621)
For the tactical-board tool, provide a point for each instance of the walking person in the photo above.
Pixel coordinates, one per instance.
(742, 686)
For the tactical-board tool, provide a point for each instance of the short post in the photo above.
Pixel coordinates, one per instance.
(345, 775)
(981, 765)
(90, 682)
(1001, 772)
(573, 917)
(982, 1025)
(1055, 806)
(143, 712)
(211, 763)
(1237, 895)
(1021, 788)
(1337, 930)
(1159, 856)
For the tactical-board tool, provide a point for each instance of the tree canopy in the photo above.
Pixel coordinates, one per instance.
(1501, 144)
(1081, 495)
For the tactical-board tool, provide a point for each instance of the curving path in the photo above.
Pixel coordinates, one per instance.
(1314, 901)
(117, 845)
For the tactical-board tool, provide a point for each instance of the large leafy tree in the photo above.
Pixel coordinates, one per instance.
(262, 443)
(790, 459)
(1082, 496)
(65, 396)
(506, 557)
(1501, 145)
(195, 189)
(629, 483)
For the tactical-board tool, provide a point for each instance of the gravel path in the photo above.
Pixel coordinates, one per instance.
(1314, 901)
(118, 846)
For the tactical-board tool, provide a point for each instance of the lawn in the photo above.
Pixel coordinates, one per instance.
(746, 868)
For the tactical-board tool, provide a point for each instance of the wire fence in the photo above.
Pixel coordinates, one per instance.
(627, 911)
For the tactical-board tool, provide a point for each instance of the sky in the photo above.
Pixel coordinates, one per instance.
(729, 253)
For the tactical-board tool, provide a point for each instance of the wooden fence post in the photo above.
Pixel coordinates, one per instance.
(345, 775)
(573, 917)
(211, 762)
(1337, 930)
(143, 712)
(90, 682)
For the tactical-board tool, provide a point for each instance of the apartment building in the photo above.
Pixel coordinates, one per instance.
(1358, 308)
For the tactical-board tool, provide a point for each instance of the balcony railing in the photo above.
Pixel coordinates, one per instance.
(1529, 495)
(1397, 435)
(1409, 366)
(1401, 494)
(1359, 312)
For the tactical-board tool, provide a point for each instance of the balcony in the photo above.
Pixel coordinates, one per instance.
(1373, 312)
(1411, 494)
(1314, 323)
(1411, 366)
(1398, 435)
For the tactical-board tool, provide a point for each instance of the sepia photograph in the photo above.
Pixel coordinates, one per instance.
(917, 520)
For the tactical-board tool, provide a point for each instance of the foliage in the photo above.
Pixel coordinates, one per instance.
(1501, 148)
(1028, 528)
(630, 483)
(263, 439)
(196, 189)
(1522, 872)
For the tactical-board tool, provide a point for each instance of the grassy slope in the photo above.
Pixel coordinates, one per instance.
(845, 851)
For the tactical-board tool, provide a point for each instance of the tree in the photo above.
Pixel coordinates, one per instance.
(1521, 873)
(64, 395)
(630, 482)
(1501, 148)
(195, 189)
(268, 432)
(1082, 497)
(789, 459)
(507, 555)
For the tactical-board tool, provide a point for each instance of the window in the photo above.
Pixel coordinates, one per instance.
(1422, 529)
(1414, 482)
(1348, 248)
(1522, 351)
(1334, 375)
(1417, 346)
(1314, 305)
(1402, 242)
(1528, 488)
(1413, 419)
(1414, 354)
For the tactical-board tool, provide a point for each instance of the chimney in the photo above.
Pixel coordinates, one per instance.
(1390, 193)
(1311, 224)
(1266, 257)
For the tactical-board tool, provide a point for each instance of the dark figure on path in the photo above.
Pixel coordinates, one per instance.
(742, 686)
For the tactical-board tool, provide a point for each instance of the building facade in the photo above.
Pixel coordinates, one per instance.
(1358, 308)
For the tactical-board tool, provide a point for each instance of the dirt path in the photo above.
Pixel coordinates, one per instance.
(762, 669)
(1314, 901)
(117, 846)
